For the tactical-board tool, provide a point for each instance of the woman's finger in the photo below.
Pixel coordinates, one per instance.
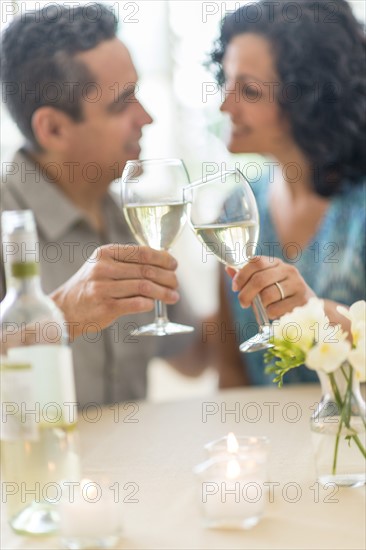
(255, 265)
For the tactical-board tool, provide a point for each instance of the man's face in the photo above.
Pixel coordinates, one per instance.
(113, 118)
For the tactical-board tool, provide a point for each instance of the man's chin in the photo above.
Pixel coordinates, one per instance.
(134, 152)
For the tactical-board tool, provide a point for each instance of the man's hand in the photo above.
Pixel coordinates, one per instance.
(117, 280)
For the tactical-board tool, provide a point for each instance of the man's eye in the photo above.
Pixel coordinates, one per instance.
(131, 98)
(119, 107)
(122, 103)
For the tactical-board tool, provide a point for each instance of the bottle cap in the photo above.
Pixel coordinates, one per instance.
(20, 244)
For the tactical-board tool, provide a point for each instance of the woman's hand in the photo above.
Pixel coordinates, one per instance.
(260, 276)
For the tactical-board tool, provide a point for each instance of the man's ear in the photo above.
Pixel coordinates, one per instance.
(52, 128)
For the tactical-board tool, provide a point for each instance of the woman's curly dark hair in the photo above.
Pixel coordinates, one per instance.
(320, 51)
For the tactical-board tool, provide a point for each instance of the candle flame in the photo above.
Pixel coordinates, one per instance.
(233, 469)
(232, 443)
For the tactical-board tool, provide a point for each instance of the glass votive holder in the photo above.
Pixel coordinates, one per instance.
(242, 444)
(90, 515)
(231, 491)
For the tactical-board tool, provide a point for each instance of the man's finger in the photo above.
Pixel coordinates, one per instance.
(131, 253)
(142, 287)
(125, 271)
(129, 306)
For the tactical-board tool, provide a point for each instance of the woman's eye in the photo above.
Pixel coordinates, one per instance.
(250, 91)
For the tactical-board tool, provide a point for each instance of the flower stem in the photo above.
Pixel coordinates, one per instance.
(335, 457)
(344, 408)
(359, 445)
(337, 395)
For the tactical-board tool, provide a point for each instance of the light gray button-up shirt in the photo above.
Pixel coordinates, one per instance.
(110, 366)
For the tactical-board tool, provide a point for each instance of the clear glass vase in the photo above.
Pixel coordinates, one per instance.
(338, 429)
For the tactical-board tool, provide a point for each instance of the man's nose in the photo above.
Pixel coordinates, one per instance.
(144, 116)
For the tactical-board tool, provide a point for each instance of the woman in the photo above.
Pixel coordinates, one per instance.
(295, 90)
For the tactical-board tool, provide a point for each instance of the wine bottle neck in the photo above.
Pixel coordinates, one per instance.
(23, 277)
(24, 285)
(21, 252)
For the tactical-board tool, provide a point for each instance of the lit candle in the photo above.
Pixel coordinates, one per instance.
(232, 443)
(232, 491)
(238, 445)
(89, 516)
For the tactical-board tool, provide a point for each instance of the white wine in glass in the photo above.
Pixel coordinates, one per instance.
(228, 240)
(224, 217)
(156, 211)
(157, 225)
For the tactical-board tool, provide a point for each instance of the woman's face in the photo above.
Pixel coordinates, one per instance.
(251, 87)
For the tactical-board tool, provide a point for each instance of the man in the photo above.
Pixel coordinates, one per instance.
(70, 87)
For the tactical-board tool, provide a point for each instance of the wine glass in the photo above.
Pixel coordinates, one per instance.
(224, 216)
(155, 210)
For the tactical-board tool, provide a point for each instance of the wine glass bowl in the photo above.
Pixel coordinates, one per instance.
(155, 210)
(224, 216)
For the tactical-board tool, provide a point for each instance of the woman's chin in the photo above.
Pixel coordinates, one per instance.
(235, 146)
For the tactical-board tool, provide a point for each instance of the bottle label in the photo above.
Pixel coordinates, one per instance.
(51, 391)
(17, 392)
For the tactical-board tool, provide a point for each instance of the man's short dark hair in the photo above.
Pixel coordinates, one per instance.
(38, 65)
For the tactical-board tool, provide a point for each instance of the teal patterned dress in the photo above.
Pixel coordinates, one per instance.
(333, 265)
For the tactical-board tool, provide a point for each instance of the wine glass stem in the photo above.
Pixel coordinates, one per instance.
(161, 315)
(261, 313)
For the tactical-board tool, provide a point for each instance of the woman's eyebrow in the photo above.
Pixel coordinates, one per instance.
(247, 78)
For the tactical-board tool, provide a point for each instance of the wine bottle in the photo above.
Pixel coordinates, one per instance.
(39, 449)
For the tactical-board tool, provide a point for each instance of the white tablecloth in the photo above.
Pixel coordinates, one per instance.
(159, 451)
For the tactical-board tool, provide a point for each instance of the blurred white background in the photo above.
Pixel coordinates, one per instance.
(170, 41)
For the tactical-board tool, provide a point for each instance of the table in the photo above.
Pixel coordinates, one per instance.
(155, 446)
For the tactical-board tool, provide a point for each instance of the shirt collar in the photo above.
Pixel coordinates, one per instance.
(55, 214)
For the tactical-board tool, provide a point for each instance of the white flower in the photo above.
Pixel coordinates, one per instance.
(357, 356)
(357, 315)
(279, 326)
(325, 346)
(312, 311)
(301, 327)
(290, 329)
(331, 350)
(357, 360)
(358, 331)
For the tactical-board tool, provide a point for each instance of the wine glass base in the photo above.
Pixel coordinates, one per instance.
(258, 342)
(162, 329)
(36, 519)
